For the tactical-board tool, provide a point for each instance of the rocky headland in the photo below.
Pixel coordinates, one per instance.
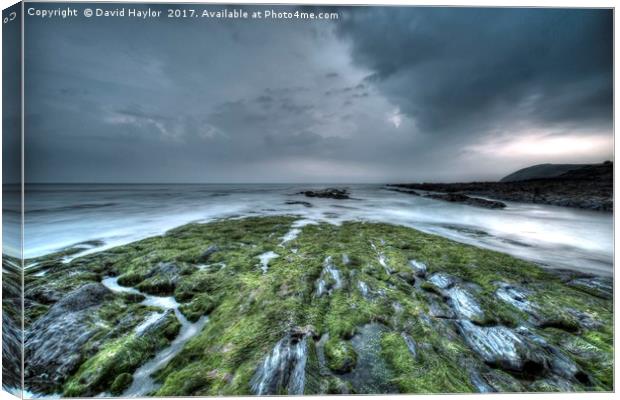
(584, 186)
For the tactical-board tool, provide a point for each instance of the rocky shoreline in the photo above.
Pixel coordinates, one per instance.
(590, 188)
(356, 308)
(453, 198)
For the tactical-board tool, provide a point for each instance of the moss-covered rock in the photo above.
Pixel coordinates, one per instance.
(110, 365)
(372, 275)
(130, 278)
(202, 304)
(121, 382)
(340, 355)
(336, 385)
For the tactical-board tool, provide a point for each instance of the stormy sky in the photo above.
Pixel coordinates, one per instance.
(379, 95)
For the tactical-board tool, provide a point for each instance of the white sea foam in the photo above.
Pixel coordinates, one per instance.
(264, 260)
(143, 382)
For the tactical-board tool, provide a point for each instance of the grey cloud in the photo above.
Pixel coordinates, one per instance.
(460, 68)
(400, 93)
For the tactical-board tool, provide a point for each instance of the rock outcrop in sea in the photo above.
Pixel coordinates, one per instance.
(329, 193)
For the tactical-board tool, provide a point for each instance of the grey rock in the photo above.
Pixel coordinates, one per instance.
(283, 370)
(43, 295)
(463, 303)
(329, 193)
(53, 342)
(84, 297)
(562, 365)
(480, 383)
(364, 289)
(439, 310)
(411, 345)
(585, 320)
(600, 286)
(515, 296)
(163, 269)
(330, 278)
(559, 363)
(419, 268)
(442, 281)
(500, 346)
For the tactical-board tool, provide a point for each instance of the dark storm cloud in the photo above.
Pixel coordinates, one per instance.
(382, 94)
(452, 68)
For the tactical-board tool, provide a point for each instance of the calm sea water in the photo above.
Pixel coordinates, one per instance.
(61, 215)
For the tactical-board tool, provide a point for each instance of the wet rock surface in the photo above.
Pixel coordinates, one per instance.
(283, 370)
(599, 286)
(163, 278)
(356, 308)
(329, 280)
(502, 347)
(53, 342)
(518, 351)
(515, 296)
(419, 267)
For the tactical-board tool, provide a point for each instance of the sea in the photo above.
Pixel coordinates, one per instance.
(61, 215)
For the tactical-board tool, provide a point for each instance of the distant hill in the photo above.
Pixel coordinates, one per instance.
(546, 171)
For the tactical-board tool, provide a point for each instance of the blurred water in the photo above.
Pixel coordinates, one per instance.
(62, 215)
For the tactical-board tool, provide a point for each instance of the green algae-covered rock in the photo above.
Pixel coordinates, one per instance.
(109, 367)
(340, 355)
(121, 382)
(391, 309)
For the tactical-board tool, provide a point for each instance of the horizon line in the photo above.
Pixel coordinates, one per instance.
(395, 182)
(202, 183)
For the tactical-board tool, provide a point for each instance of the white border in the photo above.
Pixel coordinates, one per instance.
(489, 3)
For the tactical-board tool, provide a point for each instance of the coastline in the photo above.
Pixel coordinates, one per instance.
(558, 237)
(589, 187)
